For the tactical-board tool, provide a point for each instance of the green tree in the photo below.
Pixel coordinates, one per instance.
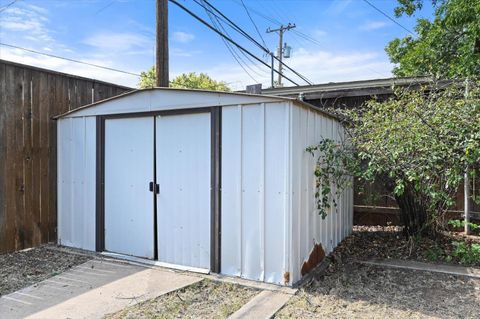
(418, 144)
(446, 47)
(190, 80)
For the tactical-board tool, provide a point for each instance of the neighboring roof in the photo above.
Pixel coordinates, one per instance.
(347, 89)
(142, 101)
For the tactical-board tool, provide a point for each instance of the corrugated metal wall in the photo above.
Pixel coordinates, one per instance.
(76, 182)
(308, 127)
(255, 151)
(269, 224)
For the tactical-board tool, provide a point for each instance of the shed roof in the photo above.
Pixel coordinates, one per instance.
(147, 100)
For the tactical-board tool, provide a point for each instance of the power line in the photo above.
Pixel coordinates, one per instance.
(388, 17)
(219, 20)
(8, 6)
(266, 50)
(253, 22)
(227, 38)
(68, 59)
(105, 7)
(228, 45)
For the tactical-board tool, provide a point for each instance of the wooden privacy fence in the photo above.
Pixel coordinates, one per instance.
(29, 98)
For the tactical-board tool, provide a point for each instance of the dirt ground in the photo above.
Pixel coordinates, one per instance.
(24, 268)
(351, 290)
(360, 291)
(368, 242)
(205, 299)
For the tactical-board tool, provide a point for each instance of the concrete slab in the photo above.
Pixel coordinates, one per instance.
(262, 306)
(416, 265)
(251, 283)
(91, 290)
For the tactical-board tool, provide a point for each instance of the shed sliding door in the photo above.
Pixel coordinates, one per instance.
(180, 147)
(129, 209)
(183, 203)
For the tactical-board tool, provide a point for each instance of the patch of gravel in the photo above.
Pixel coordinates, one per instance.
(24, 268)
(205, 299)
(360, 291)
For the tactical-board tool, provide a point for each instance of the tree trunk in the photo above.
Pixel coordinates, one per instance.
(413, 213)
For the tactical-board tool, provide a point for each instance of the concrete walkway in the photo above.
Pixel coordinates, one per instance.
(262, 306)
(415, 265)
(91, 290)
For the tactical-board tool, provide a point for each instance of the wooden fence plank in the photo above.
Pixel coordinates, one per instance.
(3, 150)
(38, 80)
(26, 156)
(29, 97)
(10, 160)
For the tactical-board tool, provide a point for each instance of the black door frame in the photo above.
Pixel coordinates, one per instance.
(215, 174)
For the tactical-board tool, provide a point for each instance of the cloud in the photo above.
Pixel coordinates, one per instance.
(117, 42)
(29, 20)
(338, 6)
(183, 53)
(373, 25)
(318, 66)
(59, 65)
(183, 37)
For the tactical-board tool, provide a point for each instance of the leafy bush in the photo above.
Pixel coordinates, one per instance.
(419, 143)
(456, 223)
(465, 253)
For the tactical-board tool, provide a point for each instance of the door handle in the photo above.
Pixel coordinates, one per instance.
(154, 187)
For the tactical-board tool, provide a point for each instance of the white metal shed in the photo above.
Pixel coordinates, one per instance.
(199, 180)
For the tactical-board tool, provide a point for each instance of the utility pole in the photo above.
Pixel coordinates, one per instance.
(161, 66)
(280, 31)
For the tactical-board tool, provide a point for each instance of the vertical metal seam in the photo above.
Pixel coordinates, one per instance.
(289, 209)
(240, 189)
(155, 195)
(262, 214)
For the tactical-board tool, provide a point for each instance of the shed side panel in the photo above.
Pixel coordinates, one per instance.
(254, 173)
(313, 236)
(76, 182)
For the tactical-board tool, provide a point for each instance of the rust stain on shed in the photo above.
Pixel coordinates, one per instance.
(316, 256)
(286, 277)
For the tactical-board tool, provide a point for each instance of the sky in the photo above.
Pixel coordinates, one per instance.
(333, 41)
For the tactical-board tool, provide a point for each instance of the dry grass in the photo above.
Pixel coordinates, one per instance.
(359, 291)
(205, 299)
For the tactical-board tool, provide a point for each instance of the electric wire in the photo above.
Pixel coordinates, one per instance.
(240, 30)
(8, 5)
(253, 22)
(219, 22)
(227, 38)
(388, 17)
(105, 7)
(230, 49)
(300, 34)
(68, 59)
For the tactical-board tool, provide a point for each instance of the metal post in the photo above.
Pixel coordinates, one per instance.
(466, 202)
(272, 70)
(466, 185)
